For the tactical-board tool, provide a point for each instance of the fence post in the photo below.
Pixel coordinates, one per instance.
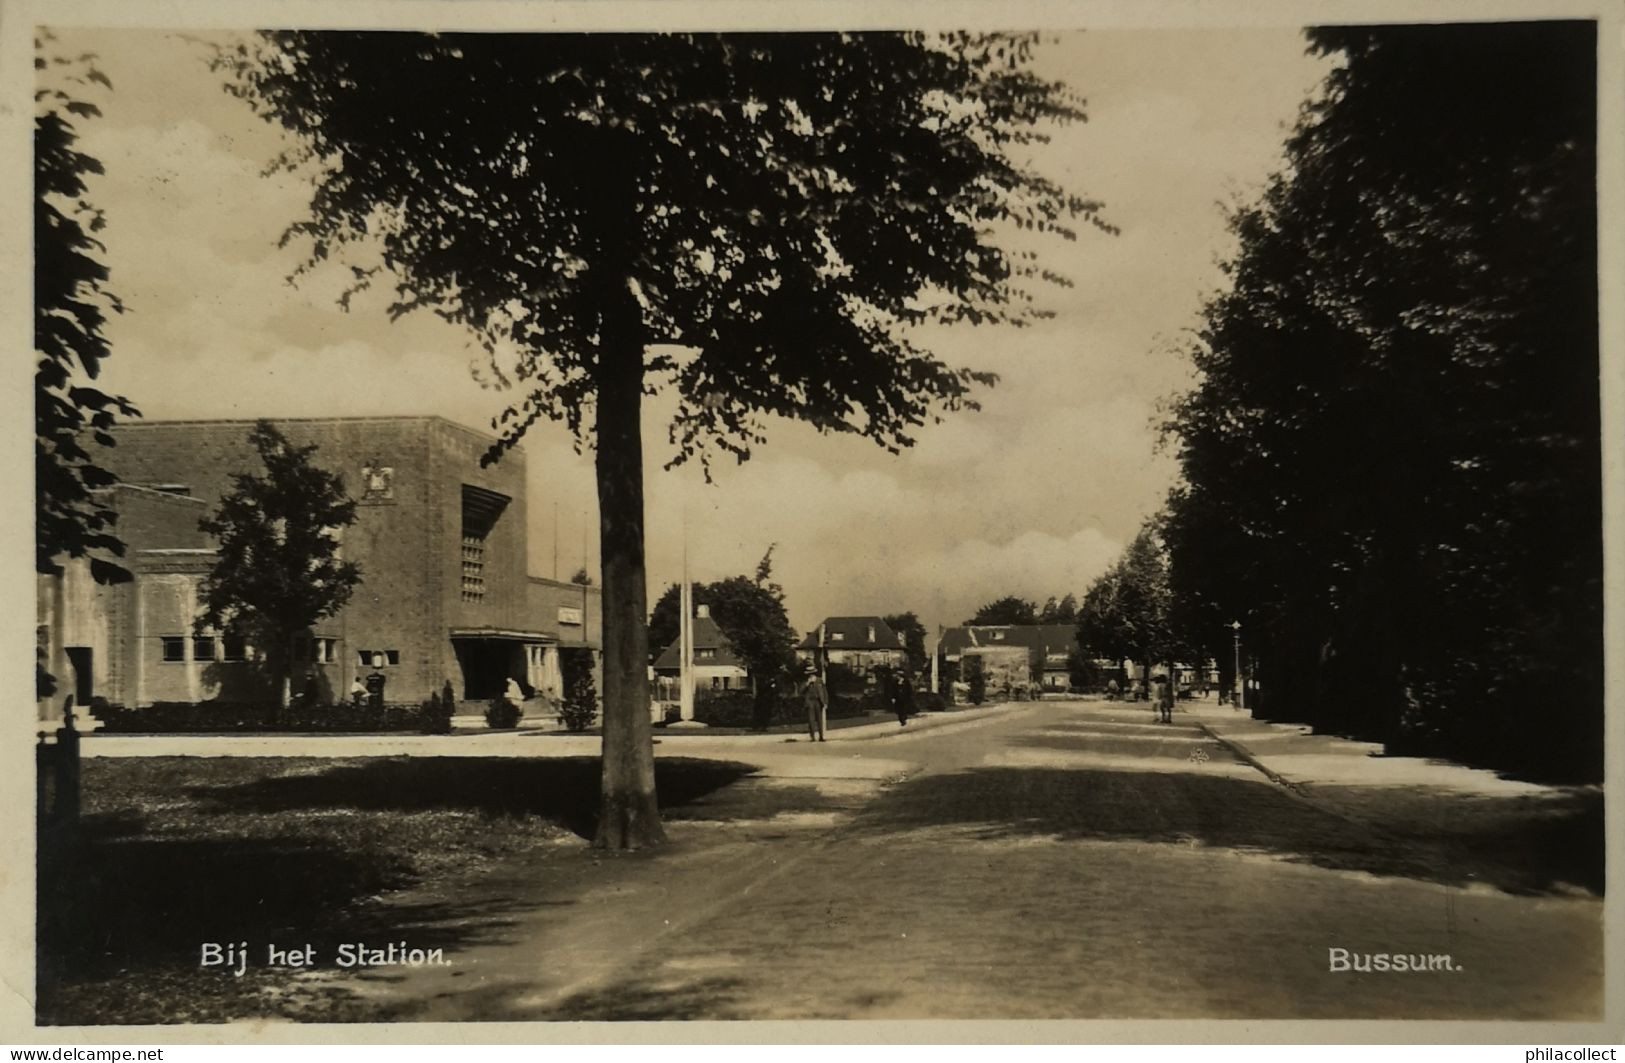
(44, 772)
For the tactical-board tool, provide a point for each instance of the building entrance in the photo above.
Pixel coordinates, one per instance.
(487, 663)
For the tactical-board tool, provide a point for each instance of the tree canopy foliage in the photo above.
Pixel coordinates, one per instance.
(71, 304)
(779, 205)
(1007, 610)
(1392, 460)
(754, 223)
(1062, 611)
(279, 567)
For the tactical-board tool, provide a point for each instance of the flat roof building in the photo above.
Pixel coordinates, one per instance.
(441, 541)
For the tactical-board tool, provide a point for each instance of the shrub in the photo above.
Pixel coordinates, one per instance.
(846, 706)
(437, 713)
(579, 709)
(929, 702)
(976, 681)
(501, 714)
(728, 708)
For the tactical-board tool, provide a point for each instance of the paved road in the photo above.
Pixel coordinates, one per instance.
(1063, 860)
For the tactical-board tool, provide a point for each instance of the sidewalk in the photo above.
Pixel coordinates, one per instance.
(523, 743)
(1512, 835)
(1291, 754)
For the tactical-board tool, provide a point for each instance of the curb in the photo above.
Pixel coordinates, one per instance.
(1250, 757)
(1000, 712)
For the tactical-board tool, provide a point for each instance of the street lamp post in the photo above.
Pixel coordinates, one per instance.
(1240, 699)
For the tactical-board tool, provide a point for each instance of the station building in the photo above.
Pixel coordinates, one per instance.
(441, 541)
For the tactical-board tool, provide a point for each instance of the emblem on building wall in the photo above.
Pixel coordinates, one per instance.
(377, 481)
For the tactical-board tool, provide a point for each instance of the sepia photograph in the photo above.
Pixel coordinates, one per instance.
(693, 516)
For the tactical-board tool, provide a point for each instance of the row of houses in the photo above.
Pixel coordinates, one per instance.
(1040, 653)
(863, 644)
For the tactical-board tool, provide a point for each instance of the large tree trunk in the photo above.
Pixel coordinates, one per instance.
(628, 816)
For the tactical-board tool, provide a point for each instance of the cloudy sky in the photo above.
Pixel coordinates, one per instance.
(1034, 495)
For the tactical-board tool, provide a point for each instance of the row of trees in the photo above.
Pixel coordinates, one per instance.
(1391, 463)
(1131, 612)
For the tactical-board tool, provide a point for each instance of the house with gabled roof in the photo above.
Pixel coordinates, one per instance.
(1049, 647)
(860, 643)
(717, 666)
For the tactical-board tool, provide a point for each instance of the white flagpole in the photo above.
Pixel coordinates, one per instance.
(686, 633)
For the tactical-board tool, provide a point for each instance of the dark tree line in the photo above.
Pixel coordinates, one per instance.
(1391, 462)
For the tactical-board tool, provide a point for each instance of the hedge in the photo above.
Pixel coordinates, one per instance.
(228, 717)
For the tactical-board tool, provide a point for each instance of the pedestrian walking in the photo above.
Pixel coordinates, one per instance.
(1159, 688)
(902, 698)
(816, 699)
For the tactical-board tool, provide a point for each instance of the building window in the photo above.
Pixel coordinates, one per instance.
(719, 683)
(837, 636)
(232, 648)
(202, 647)
(382, 657)
(473, 569)
(705, 654)
(481, 510)
(315, 650)
(174, 648)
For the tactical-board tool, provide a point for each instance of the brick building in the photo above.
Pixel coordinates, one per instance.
(441, 541)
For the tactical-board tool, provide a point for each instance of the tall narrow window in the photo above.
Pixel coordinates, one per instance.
(481, 510)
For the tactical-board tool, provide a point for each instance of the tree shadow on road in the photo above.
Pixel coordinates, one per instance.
(561, 789)
(120, 917)
(1182, 807)
(176, 852)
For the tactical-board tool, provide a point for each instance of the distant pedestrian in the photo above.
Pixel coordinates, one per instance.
(816, 699)
(1111, 690)
(1159, 689)
(358, 692)
(514, 695)
(902, 699)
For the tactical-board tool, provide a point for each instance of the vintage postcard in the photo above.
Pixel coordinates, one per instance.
(735, 516)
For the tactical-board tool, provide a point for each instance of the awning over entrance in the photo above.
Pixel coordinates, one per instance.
(511, 634)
